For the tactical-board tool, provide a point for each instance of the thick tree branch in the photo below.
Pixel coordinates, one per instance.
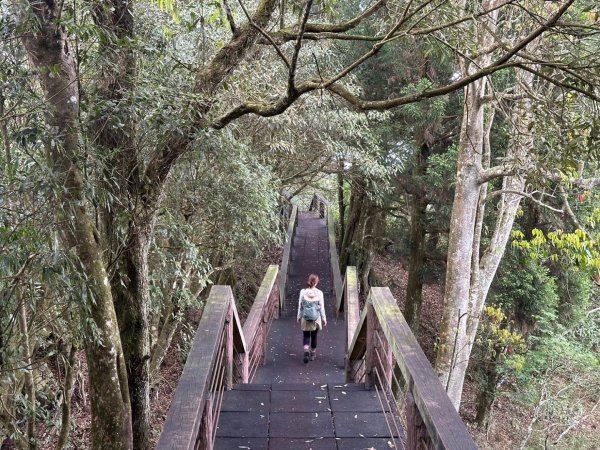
(279, 106)
(266, 35)
(231, 54)
(568, 86)
(208, 79)
(346, 26)
(582, 183)
(491, 173)
(528, 196)
(290, 35)
(294, 63)
(229, 15)
(567, 209)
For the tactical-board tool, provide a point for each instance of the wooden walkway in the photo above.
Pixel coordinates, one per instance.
(292, 405)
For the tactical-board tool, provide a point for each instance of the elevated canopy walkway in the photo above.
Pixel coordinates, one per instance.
(370, 386)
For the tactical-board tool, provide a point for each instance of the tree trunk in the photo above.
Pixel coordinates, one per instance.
(65, 426)
(414, 285)
(48, 47)
(132, 304)
(354, 218)
(341, 206)
(128, 224)
(460, 246)
(519, 147)
(466, 291)
(368, 248)
(454, 349)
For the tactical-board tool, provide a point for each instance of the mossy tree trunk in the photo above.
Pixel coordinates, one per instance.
(127, 224)
(487, 391)
(51, 54)
(341, 204)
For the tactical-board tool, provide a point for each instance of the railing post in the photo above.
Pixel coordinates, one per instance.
(287, 251)
(417, 437)
(388, 362)
(205, 441)
(370, 352)
(229, 346)
(244, 365)
(277, 295)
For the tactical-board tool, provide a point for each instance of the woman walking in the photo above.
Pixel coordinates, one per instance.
(311, 315)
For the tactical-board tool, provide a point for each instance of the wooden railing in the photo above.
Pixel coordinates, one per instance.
(222, 353)
(258, 323)
(351, 304)
(320, 204)
(384, 354)
(287, 252)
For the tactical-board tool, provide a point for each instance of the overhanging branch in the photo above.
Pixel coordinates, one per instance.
(279, 106)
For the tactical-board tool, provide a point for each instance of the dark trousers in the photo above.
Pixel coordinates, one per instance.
(310, 338)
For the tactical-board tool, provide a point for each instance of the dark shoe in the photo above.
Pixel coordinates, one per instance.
(306, 356)
(313, 355)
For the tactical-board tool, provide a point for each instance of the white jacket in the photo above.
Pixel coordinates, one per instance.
(312, 295)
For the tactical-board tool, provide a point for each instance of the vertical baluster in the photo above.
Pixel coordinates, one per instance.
(387, 363)
(205, 441)
(417, 437)
(370, 352)
(229, 347)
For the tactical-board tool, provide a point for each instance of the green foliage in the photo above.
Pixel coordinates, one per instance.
(560, 383)
(496, 342)
(524, 287)
(442, 168)
(577, 250)
(576, 291)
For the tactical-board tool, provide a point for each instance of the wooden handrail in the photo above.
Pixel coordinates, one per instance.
(223, 353)
(193, 415)
(320, 204)
(384, 348)
(287, 251)
(258, 323)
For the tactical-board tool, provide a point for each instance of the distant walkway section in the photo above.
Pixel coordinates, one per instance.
(310, 254)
